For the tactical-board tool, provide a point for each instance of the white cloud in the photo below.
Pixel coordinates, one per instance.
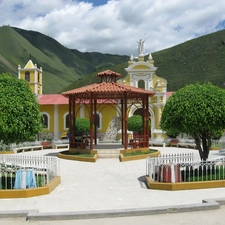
(116, 26)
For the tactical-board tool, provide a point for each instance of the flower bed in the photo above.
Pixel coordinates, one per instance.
(141, 153)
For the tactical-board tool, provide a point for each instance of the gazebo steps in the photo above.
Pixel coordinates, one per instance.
(108, 153)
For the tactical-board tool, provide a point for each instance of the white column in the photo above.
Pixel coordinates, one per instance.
(152, 123)
(18, 71)
(35, 82)
(56, 123)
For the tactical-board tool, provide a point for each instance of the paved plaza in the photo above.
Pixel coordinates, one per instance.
(109, 185)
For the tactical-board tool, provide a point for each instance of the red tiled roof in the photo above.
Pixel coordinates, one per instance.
(105, 90)
(58, 99)
(108, 73)
(169, 93)
(53, 99)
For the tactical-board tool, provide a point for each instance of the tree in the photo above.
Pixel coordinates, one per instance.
(197, 110)
(135, 123)
(172, 134)
(20, 117)
(82, 125)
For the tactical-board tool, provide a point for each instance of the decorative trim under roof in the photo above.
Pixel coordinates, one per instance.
(108, 91)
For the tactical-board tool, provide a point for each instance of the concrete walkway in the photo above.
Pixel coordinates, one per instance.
(108, 185)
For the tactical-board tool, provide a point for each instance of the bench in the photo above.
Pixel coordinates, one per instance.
(46, 144)
(138, 143)
(56, 146)
(80, 145)
(156, 143)
(27, 148)
(173, 142)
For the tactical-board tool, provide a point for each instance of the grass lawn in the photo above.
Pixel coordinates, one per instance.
(138, 152)
(78, 154)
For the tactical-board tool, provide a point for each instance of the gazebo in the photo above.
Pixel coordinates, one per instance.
(108, 90)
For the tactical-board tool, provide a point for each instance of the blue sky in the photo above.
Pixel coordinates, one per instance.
(96, 2)
(114, 26)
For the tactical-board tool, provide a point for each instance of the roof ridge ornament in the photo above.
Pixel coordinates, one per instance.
(131, 57)
(150, 57)
(108, 76)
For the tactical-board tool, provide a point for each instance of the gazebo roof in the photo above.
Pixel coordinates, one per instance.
(107, 90)
(108, 73)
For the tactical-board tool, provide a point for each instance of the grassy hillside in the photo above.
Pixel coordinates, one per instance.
(92, 78)
(197, 60)
(61, 66)
(16, 50)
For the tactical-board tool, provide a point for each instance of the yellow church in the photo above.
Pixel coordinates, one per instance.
(141, 73)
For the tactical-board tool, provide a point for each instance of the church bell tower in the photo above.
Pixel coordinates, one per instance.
(32, 75)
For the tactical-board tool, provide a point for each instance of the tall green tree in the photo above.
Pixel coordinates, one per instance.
(135, 123)
(197, 110)
(20, 117)
(82, 125)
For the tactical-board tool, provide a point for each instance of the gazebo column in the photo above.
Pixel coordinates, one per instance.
(74, 119)
(95, 109)
(146, 121)
(122, 118)
(70, 120)
(125, 121)
(91, 121)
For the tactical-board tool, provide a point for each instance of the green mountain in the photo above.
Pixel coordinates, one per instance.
(197, 60)
(61, 66)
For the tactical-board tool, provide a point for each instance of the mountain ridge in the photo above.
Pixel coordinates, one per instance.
(197, 60)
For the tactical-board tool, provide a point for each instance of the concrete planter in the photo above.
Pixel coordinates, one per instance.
(79, 158)
(136, 157)
(26, 193)
(183, 185)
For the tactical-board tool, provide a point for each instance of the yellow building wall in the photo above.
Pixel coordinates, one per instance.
(62, 109)
(50, 110)
(108, 113)
(31, 83)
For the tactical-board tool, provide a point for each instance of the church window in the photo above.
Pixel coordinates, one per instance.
(46, 120)
(27, 76)
(66, 121)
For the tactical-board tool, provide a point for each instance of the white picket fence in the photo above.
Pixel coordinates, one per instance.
(27, 171)
(184, 168)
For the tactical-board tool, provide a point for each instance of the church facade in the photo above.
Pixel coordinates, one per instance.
(141, 73)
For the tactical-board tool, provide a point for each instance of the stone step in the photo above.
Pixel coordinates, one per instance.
(108, 153)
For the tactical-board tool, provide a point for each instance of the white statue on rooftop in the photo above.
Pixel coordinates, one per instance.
(141, 48)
